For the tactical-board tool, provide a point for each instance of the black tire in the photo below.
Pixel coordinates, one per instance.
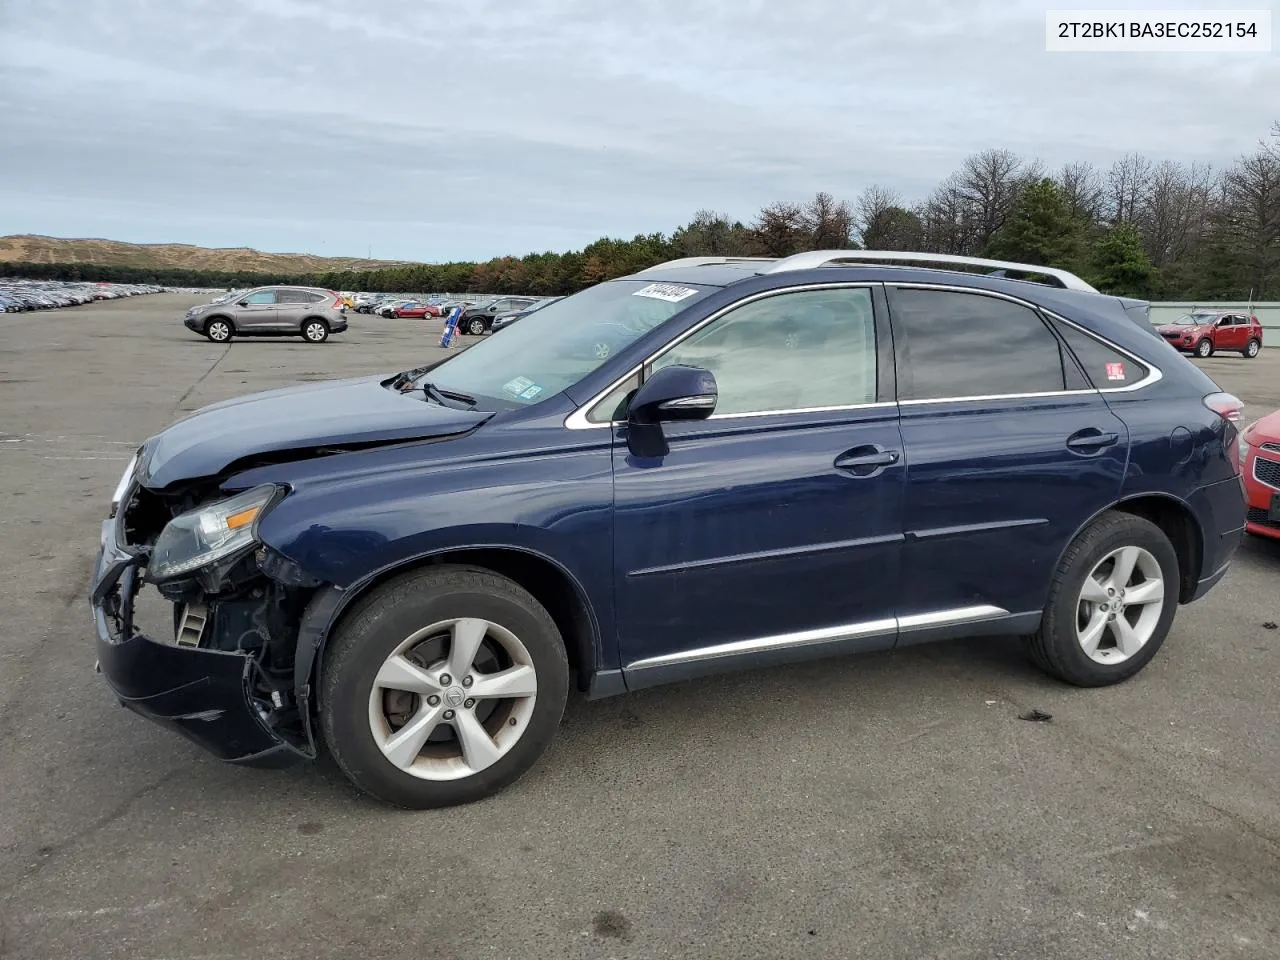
(1204, 349)
(381, 621)
(1055, 647)
(476, 326)
(1253, 348)
(315, 330)
(219, 329)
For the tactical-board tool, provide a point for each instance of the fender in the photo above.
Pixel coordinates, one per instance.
(329, 603)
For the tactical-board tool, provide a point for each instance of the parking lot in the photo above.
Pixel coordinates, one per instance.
(886, 806)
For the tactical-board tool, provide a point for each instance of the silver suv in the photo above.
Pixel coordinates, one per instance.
(308, 312)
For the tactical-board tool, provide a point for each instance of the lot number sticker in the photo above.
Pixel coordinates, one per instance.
(669, 292)
(517, 386)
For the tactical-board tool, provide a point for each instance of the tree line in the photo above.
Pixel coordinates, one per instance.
(1156, 229)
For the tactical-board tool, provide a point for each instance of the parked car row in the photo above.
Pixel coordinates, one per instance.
(478, 314)
(17, 296)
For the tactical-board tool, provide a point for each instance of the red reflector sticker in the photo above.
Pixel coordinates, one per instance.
(1115, 371)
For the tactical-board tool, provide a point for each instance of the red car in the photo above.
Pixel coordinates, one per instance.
(1205, 333)
(418, 310)
(1260, 468)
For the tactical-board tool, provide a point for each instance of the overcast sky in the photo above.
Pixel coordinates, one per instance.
(460, 129)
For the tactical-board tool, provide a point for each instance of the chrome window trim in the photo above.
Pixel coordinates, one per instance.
(578, 419)
(1154, 373)
(804, 638)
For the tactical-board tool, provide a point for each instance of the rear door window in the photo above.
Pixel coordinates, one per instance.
(953, 345)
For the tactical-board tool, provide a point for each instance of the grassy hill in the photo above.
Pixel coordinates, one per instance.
(29, 248)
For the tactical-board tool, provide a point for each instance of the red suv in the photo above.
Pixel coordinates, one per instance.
(1205, 333)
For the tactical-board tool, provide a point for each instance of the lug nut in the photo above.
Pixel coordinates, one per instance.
(448, 714)
(467, 681)
(445, 679)
(469, 704)
(433, 700)
(1111, 591)
(512, 721)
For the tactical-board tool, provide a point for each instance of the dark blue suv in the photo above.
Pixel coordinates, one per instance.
(710, 465)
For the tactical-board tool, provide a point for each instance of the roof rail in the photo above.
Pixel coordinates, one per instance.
(820, 258)
(705, 262)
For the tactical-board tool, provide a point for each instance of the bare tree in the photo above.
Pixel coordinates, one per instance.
(990, 183)
(945, 219)
(885, 224)
(1127, 183)
(1172, 211)
(829, 222)
(780, 230)
(1251, 197)
(1083, 190)
(871, 206)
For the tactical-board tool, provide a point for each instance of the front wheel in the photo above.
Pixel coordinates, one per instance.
(1204, 348)
(475, 326)
(315, 331)
(1111, 603)
(442, 687)
(218, 330)
(1253, 348)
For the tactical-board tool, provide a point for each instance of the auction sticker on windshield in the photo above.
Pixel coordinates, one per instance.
(517, 386)
(670, 292)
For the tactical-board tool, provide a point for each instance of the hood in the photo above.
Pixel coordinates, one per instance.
(1266, 429)
(334, 413)
(1179, 328)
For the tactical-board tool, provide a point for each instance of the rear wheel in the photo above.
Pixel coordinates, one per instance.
(1253, 348)
(1204, 348)
(442, 687)
(1111, 603)
(315, 330)
(218, 330)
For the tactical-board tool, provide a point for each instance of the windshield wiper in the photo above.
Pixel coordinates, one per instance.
(404, 380)
(442, 396)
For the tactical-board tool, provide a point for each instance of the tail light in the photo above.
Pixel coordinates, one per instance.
(1229, 408)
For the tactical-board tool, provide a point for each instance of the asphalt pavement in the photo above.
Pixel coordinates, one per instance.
(888, 806)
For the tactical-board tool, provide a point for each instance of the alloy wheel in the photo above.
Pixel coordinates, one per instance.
(315, 331)
(219, 331)
(452, 699)
(1119, 605)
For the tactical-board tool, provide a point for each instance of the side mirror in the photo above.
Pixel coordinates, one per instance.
(242, 303)
(673, 393)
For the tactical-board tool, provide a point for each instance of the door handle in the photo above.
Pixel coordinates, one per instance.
(866, 461)
(1091, 439)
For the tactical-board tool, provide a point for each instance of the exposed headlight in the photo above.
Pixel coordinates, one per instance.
(1243, 440)
(210, 533)
(123, 486)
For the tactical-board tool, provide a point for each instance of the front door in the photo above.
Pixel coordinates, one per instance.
(771, 531)
(258, 312)
(1009, 451)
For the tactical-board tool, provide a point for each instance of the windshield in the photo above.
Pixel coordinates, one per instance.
(1194, 319)
(555, 347)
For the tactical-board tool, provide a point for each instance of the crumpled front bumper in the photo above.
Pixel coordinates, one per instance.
(202, 694)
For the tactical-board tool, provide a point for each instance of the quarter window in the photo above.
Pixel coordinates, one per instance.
(1105, 367)
(793, 351)
(953, 345)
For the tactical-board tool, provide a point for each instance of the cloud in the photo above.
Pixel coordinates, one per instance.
(438, 130)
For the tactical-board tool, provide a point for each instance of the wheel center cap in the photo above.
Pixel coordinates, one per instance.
(454, 696)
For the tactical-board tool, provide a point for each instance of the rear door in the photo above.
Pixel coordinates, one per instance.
(258, 313)
(1009, 451)
(291, 307)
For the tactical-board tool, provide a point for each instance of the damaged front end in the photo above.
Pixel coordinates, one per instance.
(227, 675)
